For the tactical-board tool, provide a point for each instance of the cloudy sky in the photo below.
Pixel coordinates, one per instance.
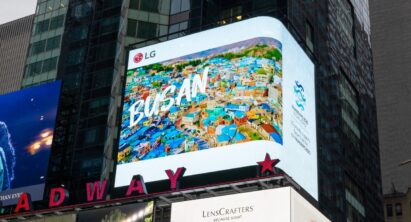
(14, 9)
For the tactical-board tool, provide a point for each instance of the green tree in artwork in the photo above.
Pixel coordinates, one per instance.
(229, 56)
(274, 53)
(157, 67)
(261, 71)
(156, 84)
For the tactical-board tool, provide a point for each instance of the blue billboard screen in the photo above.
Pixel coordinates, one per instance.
(27, 119)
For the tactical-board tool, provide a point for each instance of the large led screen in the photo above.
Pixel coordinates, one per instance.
(219, 100)
(27, 119)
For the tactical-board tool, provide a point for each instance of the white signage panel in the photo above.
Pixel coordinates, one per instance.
(274, 205)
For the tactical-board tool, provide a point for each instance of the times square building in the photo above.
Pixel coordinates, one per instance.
(104, 53)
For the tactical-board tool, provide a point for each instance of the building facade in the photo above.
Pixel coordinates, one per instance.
(397, 206)
(91, 65)
(391, 53)
(14, 41)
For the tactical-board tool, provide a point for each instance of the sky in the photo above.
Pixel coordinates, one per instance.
(14, 9)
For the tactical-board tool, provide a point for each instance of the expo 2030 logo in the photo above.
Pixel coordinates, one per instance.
(138, 57)
(299, 94)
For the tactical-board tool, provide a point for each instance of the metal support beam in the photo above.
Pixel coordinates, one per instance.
(236, 188)
(211, 192)
(165, 199)
(263, 184)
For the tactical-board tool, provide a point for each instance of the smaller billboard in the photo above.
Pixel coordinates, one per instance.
(274, 205)
(27, 119)
(142, 212)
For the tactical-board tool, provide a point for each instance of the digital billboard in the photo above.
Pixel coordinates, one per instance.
(27, 119)
(217, 100)
(142, 212)
(273, 205)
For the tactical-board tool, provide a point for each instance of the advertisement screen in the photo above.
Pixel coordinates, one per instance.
(212, 101)
(274, 205)
(142, 212)
(27, 119)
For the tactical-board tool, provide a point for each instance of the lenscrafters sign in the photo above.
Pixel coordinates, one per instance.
(275, 205)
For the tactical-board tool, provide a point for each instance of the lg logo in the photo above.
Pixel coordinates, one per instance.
(140, 56)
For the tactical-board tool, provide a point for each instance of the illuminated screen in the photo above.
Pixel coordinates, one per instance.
(212, 102)
(27, 119)
(142, 212)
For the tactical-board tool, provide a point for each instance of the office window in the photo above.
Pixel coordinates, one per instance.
(345, 23)
(99, 105)
(150, 6)
(389, 210)
(146, 30)
(57, 4)
(37, 47)
(134, 4)
(131, 27)
(42, 26)
(76, 56)
(109, 25)
(350, 110)
(50, 5)
(90, 136)
(106, 51)
(102, 78)
(177, 28)
(398, 209)
(41, 8)
(111, 3)
(34, 68)
(79, 33)
(82, 10)
(71, 81)
(309, 35)
(56, 22)
(178, 6)
(90, 163)
(231, 15)
(49, 64)
(355, 198)
(53, 43)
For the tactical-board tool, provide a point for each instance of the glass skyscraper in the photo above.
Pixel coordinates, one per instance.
(46, 35)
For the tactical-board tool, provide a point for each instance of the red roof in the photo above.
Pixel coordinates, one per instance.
(268, 128)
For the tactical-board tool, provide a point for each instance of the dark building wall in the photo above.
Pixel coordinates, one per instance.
(14, 41)
(88, 64)
(391, 35)
(348, 160)
(358, 154)
(336, 35)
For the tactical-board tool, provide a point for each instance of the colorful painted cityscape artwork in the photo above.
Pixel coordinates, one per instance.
(222, 96)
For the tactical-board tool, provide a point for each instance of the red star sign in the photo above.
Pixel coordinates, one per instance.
(268, 164)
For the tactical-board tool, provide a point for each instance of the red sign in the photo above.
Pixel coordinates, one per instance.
(97, 190)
